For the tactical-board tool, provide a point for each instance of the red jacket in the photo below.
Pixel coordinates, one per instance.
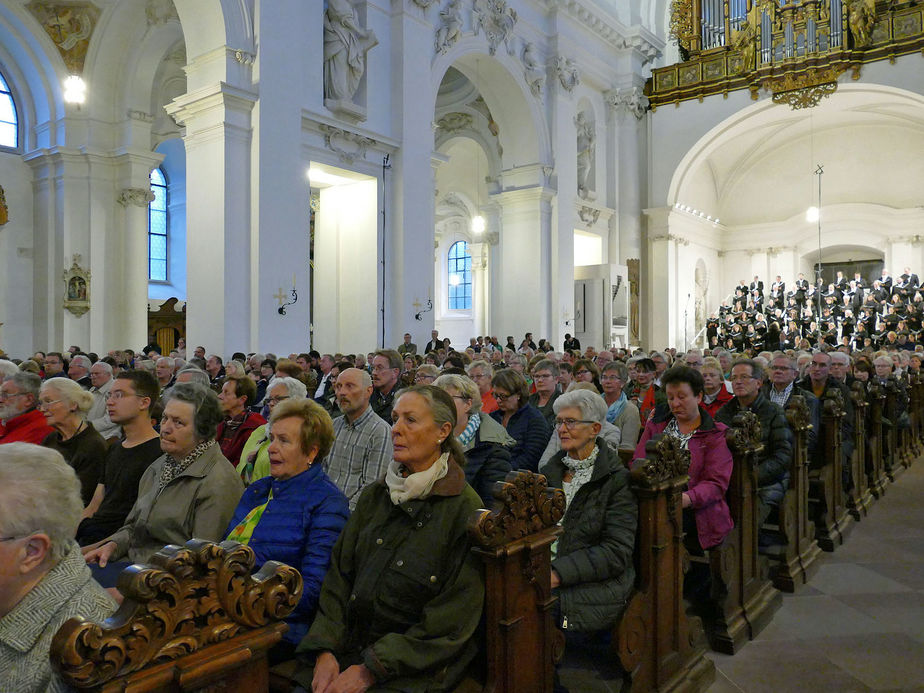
(233, 445)
(710, 472)
(25, 428)
(721, 399)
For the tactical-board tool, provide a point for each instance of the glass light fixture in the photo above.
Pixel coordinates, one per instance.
(75, 90)
(478, 224)
(812, 214)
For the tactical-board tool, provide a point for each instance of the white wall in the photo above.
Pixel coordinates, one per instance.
(16, 250)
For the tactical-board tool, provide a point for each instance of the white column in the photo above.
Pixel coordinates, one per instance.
(479, 253)
(659, 323)
(629, 104)
(135, 266)
(561, 275)
(218, 216)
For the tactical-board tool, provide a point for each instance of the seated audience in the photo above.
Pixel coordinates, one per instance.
(44, 580)
(296, 514)
(65, 405)
(523, 421)
(481, 373)
(189, 492)
(592, 567)
(620, 411)
(101, 376)
(715, 394)
(362, 446)
(545, 378)
(386, 369)
(403, 597)
(426, 374)
(20, 419)
(586, 371)
(776, 456)
(608, 432)
(649, 393)
(253, 462)
(707, 519)
(484, 441)
(237, 395)
(129, 401)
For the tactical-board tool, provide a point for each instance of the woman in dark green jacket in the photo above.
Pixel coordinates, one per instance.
(592, 567)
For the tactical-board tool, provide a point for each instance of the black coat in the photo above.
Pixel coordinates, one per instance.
(487, 458)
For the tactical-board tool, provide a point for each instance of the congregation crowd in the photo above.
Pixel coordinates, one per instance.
(856, 313)
(363, 470)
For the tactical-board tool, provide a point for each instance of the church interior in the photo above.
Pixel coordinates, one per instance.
(279, 176)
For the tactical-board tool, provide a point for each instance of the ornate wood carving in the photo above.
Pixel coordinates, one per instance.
(667, 459)
(743, 436)
(190, 597)
(526, 505)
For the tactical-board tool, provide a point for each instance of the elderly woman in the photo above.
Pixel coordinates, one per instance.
(715, 393)
(191, 491)
(620, 411)
(65, 405)
(44, 580)
(254, 461)
(592, 564)
(402, 599)
(426, 374)
(296, 514)
(525, 424)
(706, 516)
(485, 442)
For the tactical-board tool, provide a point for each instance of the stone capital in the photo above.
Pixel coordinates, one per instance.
(139, 197)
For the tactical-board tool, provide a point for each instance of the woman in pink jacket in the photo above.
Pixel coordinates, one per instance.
(706, 517)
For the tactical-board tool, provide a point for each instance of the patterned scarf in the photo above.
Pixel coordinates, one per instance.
(244, 530)
(615, 409)
(403, 488)
(173, 468)
(468, 435)
(581, 470)
(673, 430)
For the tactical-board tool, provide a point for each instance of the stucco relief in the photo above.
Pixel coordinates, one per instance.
(70, 26)
(496, 20)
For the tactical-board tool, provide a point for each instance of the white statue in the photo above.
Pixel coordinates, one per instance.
(345, 48)
(450, 26)
(535, 69)
(586, 137)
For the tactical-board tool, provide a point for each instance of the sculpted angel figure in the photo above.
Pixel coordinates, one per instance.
(450, 26)
(345, 48)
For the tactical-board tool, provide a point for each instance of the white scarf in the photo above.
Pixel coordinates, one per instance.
(416, 485)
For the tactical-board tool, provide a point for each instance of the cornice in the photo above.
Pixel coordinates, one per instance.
(608, 28)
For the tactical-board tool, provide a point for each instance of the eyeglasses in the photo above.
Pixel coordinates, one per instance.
(541, 376)
(501, 397)
(277, 400)
(424, 378)
(583, 371)
(43, 404)
(609, 378)
(782, 368)
(11, 395)
(571, 423)
(740, 378)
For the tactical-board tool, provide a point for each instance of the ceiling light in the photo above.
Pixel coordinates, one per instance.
(812, 214)
(478, 225)
(75, 90)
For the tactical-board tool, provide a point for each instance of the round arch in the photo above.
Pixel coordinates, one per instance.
(211, 24)
(523, 129)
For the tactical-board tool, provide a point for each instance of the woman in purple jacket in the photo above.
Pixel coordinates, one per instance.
(706, 517)
(295, 515)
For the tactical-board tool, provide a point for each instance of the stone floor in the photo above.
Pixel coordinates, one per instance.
(857, 626)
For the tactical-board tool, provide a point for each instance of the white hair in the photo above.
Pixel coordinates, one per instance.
(296, 388)
(7, 369)
(40, 493)
(592, 405)
(81, 360)
(71, 393)
(105, 367)
(168, 360)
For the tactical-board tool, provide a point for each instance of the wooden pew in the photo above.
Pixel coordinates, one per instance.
(656, 643)
(744, 598)
(859, 498)
(796, 559)
(826, 494)
(194, 618)
(891, 457)
(916, 382)
(875, 468)
(906, 449)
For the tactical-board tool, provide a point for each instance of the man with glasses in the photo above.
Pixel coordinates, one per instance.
(545, 377)
(819, 382)
(20, 419)
(386, 372)
(776, 457)
(44, 580)
(101, 378)
(54, 365)
(362, 447)
(128, 405)
(782, 387)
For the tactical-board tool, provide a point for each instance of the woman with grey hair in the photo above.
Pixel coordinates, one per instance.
(254, 462)
(189, 492)
(485, 442)
(592, 568)
(44, 580)
(65, 405)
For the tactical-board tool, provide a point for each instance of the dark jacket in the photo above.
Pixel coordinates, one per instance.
(86, 453)
(299, 528)
(814, 406)
(487, 458)
(776, 458)
(710, 473)
(404, 591)
(531, 431)
(594, 555)
(846, 420)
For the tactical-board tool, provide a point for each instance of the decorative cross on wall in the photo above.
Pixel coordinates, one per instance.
(281, 296)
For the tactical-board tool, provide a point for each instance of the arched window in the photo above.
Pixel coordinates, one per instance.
(460, 277)
(9, 124)
(157, 228)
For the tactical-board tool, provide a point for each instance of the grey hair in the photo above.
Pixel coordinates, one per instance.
(28, 383)
(145, 365)
(105, 367)
(168, 359)
(7, 369)
(428, 369)
(365, 380)
(884, 360)
(462, 384)
(592, 406)
(483, 365)
(198, 375)
(840, 357)
(40, 493)
(72, 393)
(206, 408)
(235, 368)
(294, 387)
(81, 360)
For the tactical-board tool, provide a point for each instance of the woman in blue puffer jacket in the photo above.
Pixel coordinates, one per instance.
(295, 515)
